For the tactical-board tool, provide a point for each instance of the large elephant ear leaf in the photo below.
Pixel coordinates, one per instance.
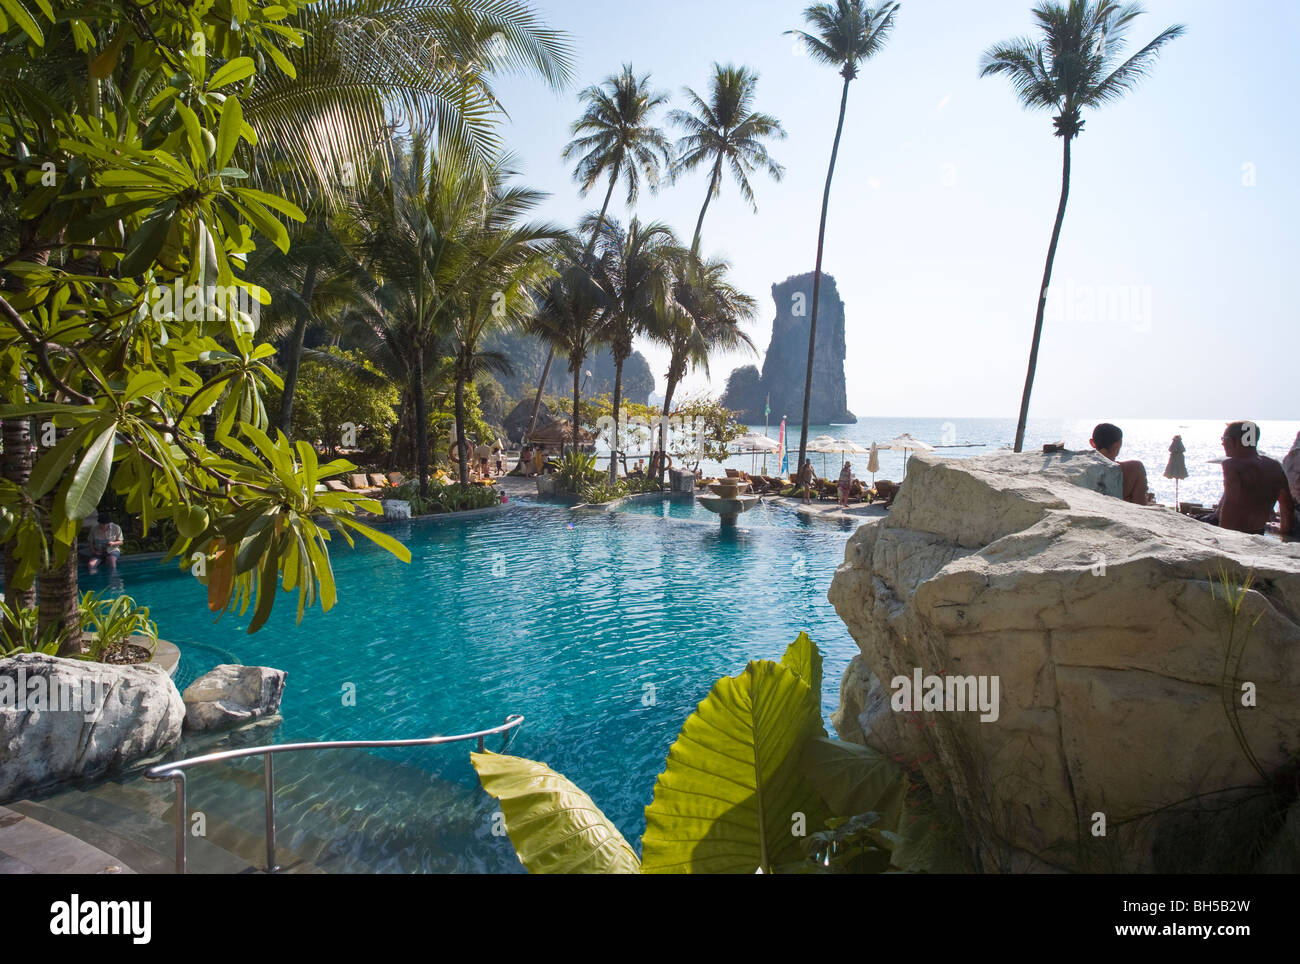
(804, 659)
(855, 779)
(732, 798)
(554, 826)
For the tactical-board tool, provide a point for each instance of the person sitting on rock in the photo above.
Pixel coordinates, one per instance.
(1108, 440)
(1252, 485)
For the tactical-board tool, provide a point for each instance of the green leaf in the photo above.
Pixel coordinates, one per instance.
(232, 71)
(144, 382)
(381, 539)
(276, 203)
(554, 826)
(91, 477)
(50, 467)
(854, 779)
(732, 795)
(804, 659)
(265, 222)
(24, 20)
(146, 242)
(232, 117)
(266, 586)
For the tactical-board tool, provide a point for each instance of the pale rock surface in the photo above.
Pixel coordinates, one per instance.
(1102, 623)
(232, 695)
(123, 714)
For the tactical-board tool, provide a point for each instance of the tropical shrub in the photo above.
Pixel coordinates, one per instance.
(113, 622)
(20, 632)
(327, 398)
(746, 784)
(576, 470)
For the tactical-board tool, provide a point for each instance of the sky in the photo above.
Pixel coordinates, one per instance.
(1173, 293)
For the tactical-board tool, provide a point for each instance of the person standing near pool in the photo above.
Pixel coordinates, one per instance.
(805, 479)
(104, 543)
(846, 483)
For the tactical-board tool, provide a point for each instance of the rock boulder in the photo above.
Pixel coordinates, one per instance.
(1107, 628)
(64, 719)
(232, 695)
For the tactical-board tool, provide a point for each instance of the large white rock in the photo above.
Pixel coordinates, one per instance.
(1107, 631)
(232, 695)
(62, 719)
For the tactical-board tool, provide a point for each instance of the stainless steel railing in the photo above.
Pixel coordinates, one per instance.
(175, 772)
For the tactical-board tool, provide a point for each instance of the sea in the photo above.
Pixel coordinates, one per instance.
(1145, 439)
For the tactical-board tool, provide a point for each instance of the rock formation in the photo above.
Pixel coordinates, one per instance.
(64, 719)
(786, 361)
(232, 695)
(1107, 627)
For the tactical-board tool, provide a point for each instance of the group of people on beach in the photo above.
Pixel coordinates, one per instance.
(1253, 484)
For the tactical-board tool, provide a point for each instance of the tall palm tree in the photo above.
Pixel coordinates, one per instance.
(725, 131)
(845, 34)
(571, 317)
(635, 269)
(1077, 63)
(705, 314)
(615, 138)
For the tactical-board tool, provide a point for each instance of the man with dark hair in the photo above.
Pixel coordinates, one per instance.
(1252, 484)
(1108, 439)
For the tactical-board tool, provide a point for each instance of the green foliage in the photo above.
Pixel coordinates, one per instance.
(713, 427)
(555, 827)
(747, 783)
(328, 397)
(603, 491)
(126, 318)
(451, 497)
(112, 621)
(577, 470)
(20, 633)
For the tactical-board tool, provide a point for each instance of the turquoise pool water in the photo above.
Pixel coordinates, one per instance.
(604, 630)
(762, 515)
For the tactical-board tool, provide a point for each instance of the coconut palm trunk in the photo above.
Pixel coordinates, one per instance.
(586, 254)
(577, 391)
(618, 401)
(713, 187)
(56, 586)
(817, 275)
(421, 423)
(462, 446)
(1042, 297)
(294, 360)
(17, 469)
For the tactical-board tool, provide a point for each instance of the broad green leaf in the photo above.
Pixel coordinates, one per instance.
(231, 72)
(91, 477)
(554, 826)
(732, 797)
(266, 587)
(804, 659)
(282, 61)
(275, 203)
(855, 779)
(265, 222)
(144, 382)
(381, 539)
(24, 20)
(49, 468)
(146, 242)
(232, 117)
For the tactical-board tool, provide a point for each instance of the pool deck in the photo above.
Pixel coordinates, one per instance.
(28, 846)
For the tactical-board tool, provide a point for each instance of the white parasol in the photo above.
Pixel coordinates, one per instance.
(1177, 467)
(753, 443)
(906, 443)
(873, 462)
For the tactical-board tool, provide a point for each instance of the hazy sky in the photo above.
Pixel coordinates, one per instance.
(1181, 227)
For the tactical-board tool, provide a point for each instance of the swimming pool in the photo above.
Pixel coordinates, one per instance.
(604, 630)
(763, 515)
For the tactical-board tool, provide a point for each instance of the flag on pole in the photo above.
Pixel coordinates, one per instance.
(785, 456)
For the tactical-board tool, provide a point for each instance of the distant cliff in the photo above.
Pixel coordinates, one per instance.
(527, 356)
(786, 360)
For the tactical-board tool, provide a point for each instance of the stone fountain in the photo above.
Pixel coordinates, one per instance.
(730, 498)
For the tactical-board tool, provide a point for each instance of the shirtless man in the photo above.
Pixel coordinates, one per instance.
(1252, 483)
(1108, 439)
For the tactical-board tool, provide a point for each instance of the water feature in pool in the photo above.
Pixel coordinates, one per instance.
(604, 630)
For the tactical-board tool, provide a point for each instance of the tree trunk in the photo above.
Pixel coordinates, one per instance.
(17, 469)
(673, 379)
(577, 370)
(618, 399)
(57, 597)
(295, 350)
(550, 352)
(713, 187)
(462, 446)
(1042, 298)
(817, 277)
(395, 447)
(421, 425)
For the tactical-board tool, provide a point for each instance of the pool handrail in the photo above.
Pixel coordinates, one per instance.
(175, 771)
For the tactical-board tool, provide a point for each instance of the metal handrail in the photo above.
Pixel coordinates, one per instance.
(175, 772)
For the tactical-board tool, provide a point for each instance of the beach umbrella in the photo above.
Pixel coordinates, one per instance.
(753, 443)
(824, 444)
(1177, 467)
(906, 443)
(873, 462)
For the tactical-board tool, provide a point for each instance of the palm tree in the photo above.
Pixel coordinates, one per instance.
(614, 138)
(845, 33)
(726, 131)
(705, 314)
(1076, 64)
(635, 269)
(572, 318)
